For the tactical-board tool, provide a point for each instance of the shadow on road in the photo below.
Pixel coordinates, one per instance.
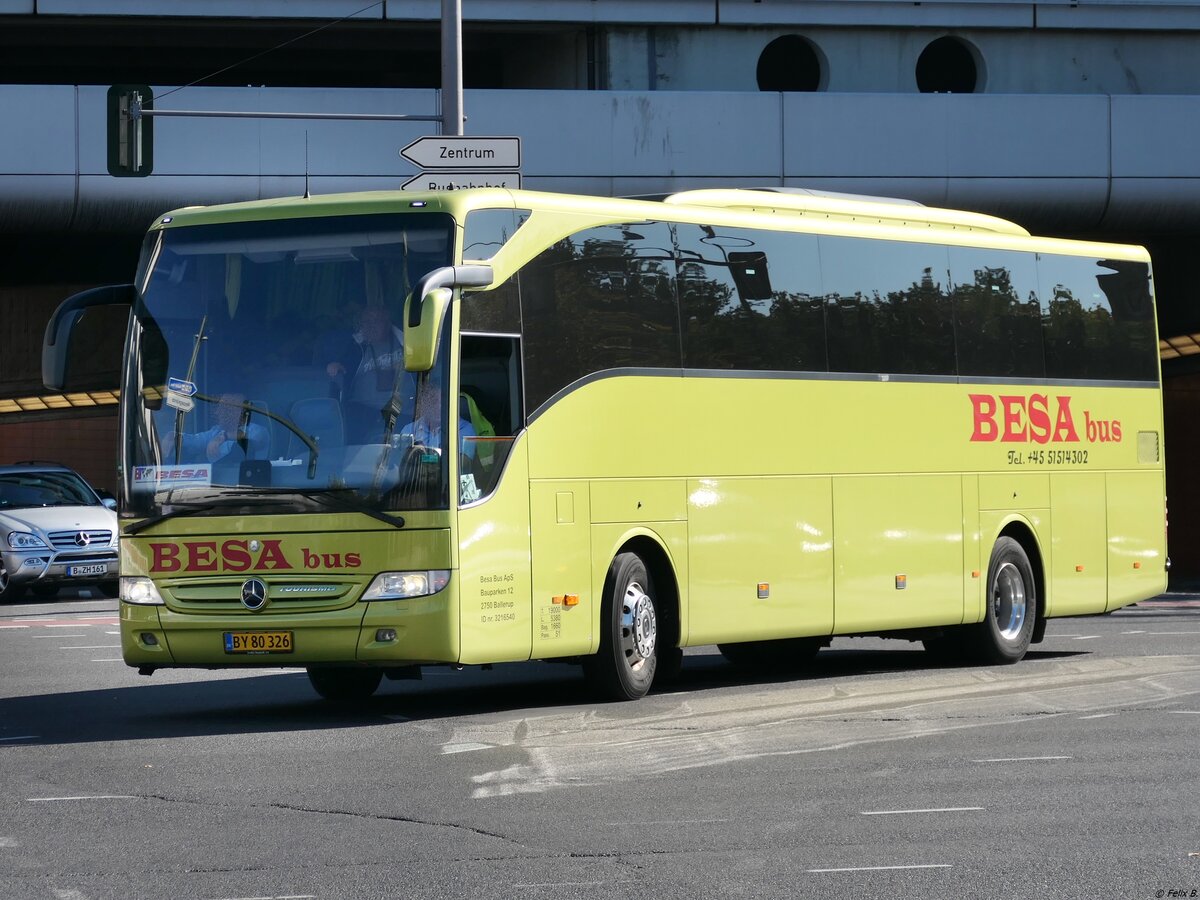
(284, 702)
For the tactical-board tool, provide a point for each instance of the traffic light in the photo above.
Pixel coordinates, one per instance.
(130, 134)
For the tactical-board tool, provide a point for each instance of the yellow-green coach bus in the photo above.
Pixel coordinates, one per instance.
(366, 433)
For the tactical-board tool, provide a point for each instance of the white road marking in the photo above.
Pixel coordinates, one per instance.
(1133, 632)
(89, 797)
(1021, 759)
(883, 868)
(14, 626)
(69, 894)
(1087, 637)
(111, 659)
(1169, 633)
(112, 632)
(465, 748)
(55, 637)
(8, 842)
(1184, 712)
(72, 625)
(897, 812)
(93, 647)
(1098, 716)
(280, 897)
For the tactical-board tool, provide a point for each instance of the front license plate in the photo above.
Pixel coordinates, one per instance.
(258, 642)
(94, 569)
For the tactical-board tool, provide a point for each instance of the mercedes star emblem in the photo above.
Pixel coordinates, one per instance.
(254, 594)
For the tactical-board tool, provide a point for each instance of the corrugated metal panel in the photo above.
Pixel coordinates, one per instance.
(233, 9)
(696, 12)
(1045, 161)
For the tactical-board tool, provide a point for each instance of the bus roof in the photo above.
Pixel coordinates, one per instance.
(780, 208)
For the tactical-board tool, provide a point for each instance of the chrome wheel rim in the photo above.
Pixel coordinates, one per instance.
(1009, 604)
(639, 626)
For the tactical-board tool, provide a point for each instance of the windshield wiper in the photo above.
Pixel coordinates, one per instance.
(348, 504)
(188, 509)
(244, 427)
(341, 503)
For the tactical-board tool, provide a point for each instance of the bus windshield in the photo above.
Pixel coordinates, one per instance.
(266, 360)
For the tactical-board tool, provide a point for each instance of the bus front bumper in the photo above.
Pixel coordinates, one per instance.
(383, 633)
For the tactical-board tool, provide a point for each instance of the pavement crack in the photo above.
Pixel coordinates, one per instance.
(383, 817)
(380, 817)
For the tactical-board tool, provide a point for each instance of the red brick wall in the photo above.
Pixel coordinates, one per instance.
(86, 442)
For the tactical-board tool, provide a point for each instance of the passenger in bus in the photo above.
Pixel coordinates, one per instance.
(426, 428)
(364, 369)
(228, 439)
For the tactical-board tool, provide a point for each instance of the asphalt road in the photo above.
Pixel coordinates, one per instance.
(877, 774)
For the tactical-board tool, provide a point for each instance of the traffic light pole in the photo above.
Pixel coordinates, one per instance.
(452, 76)
(451, 116)
(131, 142)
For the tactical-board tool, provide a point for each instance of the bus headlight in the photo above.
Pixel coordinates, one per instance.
(140, 591)
(398, 585)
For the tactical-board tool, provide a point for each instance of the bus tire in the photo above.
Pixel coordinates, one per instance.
(344, 685)
(624, 666)
(1004, 634)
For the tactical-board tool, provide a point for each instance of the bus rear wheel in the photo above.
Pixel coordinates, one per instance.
(344, 685)
(624, 666)
(1007, 627)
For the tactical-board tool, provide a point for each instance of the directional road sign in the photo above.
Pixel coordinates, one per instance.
(457, 181)
(450, 151)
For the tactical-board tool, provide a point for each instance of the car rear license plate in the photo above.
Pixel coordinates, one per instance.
(94, 569)
(258, 642)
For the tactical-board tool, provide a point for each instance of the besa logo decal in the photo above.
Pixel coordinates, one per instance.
(1016, 418)
(237, 556)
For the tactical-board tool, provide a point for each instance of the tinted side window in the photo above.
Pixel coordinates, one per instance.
(497, 310)
(750, 299)
(601, 299)
(887, 306)
(1098, 318)
(998, 320)
(487, 230)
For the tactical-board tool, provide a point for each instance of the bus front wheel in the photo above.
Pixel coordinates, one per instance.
(343, 685)
(1007, 627)
(624, 666)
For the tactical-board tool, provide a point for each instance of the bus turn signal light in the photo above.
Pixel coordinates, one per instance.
(567, 600)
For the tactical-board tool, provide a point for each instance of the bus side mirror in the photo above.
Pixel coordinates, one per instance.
(60, 330)
(421, 340)
(423, 317)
